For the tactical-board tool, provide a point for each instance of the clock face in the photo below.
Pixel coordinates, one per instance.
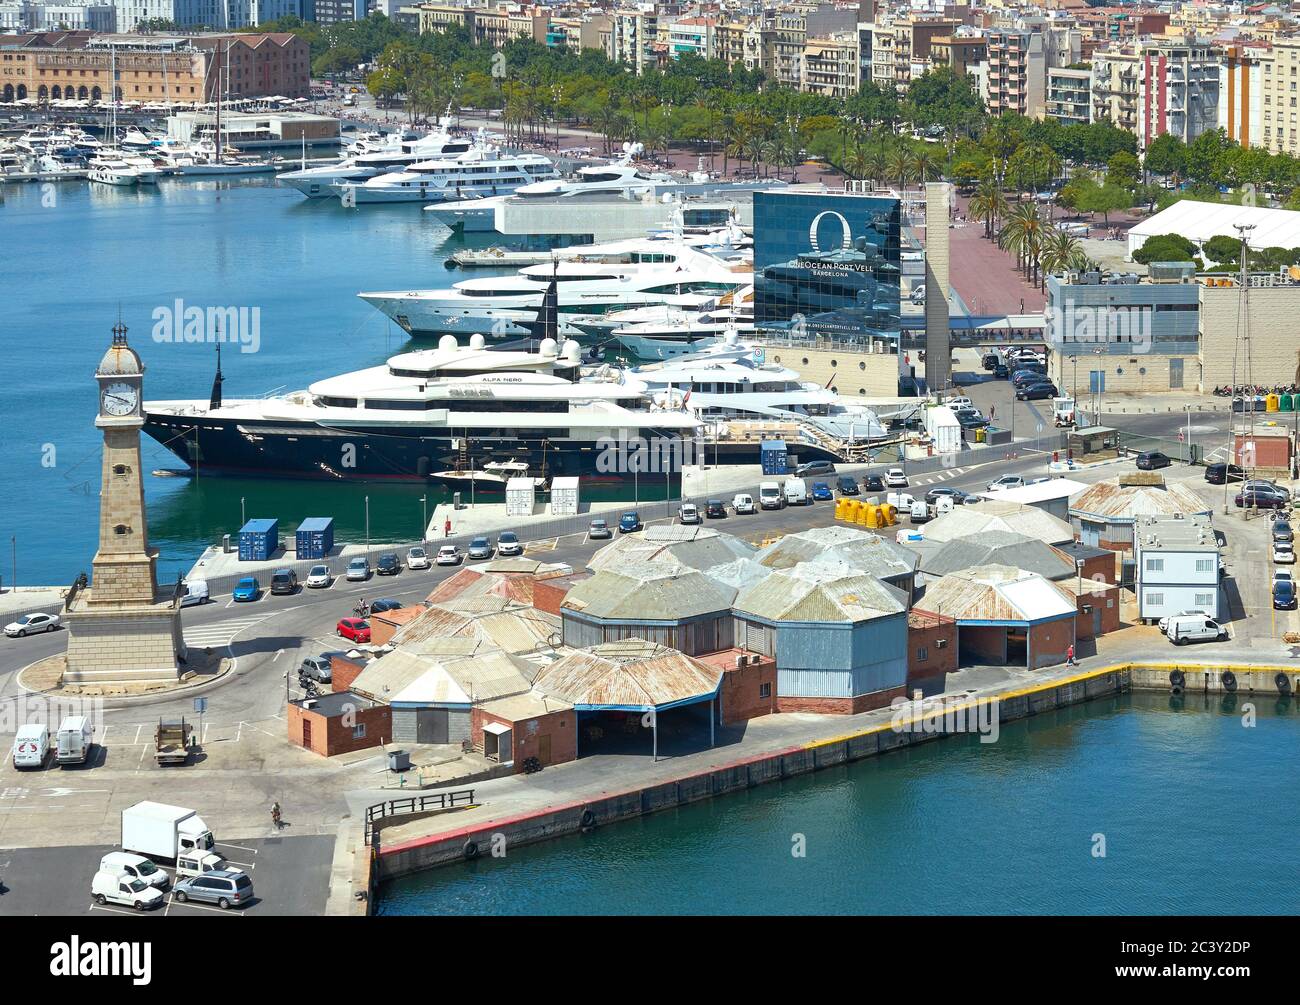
(120, 399)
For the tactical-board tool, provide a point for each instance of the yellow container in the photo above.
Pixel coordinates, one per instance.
(851, 508)
(888, 515)
(840, 507)
(1272, 402)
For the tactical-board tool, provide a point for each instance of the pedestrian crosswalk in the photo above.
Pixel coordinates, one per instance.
(941, 476)
(219, 634)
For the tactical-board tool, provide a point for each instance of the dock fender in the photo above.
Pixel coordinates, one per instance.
(422, 466)
(470, 850)
(1176, 679)
(588, 820)
(1283, 683)
(1229, 680)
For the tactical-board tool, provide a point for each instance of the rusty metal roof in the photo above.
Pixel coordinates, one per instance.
(687, 547)
(1111, 500)
(996, 547)
(405, 676)
(996, 593)
(869, 553)
(631, 674)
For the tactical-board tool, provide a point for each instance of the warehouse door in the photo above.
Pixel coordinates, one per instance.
(431, 725)
(1175, 374)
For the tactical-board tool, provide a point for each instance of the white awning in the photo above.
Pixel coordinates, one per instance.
(496, 728)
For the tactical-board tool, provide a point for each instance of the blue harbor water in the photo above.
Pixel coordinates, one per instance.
(1197, 812)
(74, 261)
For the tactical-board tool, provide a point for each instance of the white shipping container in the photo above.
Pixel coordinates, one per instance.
(519, 497)
(944, 429)
(564, 497)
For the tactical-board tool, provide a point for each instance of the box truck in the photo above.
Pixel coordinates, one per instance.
(161, 831)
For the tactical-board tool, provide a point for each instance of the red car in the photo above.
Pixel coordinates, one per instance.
(356, 629)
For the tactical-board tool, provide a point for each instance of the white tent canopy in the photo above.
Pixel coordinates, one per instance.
(1200, 221)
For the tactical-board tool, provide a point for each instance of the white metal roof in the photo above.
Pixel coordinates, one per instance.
(1200, 221)
(1057, 488)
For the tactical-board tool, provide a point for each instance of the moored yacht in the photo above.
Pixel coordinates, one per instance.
(422, 416)
(483, 170)
(605, 278)
(109, 170)
(372, 159)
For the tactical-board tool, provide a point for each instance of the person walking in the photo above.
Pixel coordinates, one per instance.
(446, 528)
(1069, 657)
(275, 814)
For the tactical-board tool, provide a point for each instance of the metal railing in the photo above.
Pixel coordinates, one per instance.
(416, 804)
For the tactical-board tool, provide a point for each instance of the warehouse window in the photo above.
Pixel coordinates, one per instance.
(359, 731)
(1155, 565)
(922, 653)
(1204, 565)
(1156, 599)
(765, 690)
(1204, 599)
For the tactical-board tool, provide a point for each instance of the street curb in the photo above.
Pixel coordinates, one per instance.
(124, 701)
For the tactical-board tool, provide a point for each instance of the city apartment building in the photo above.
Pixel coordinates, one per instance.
(1157, 86)
(961, 53)
(26, 16)
(1069, 95)
(913, 41)
(830, 65)
(492, 26)
(1243, 70)
(632, 38)
(1277, 79)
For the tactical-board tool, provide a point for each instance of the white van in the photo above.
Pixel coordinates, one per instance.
(74, 739)
(135, 866)
(920, 511)
(795, 492)
(1185, 628)
(119, 888)
(31, 745)
(769, 496)
(742, 503)
(196, 863)
(196, 592)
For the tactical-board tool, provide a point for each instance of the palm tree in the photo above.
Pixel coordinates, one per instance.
(1023, 234)
(858, 164)
(902, 166)
(988, 205)
(1061, 252)
(878, 167)
(926, 164)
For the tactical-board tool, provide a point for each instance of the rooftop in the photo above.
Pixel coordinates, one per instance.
(867, 552)
(821, 592)
(1113, 500)
(993, 515)
(630, 674)
(649, 591)
(997, 593)
(1176, 533)
(997, 547)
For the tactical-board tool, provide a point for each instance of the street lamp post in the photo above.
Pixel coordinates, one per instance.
(424, 527)
(367, 523)
(243, 519)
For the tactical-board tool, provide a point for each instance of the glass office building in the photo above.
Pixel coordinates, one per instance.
(827, 266)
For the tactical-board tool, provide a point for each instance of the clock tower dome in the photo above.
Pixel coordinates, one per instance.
(121, 630)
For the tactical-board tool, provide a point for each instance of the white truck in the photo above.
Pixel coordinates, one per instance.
(161, 831)
(1063, 412)
(769, 496)
(795, 492)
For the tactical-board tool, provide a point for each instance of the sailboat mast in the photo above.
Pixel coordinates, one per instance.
(218, 76)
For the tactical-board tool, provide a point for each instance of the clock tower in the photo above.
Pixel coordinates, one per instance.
(121, 630)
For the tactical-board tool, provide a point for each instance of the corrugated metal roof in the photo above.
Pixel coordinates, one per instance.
(410, 676)
(869, 553)
(996, 593)
(692, 548)
(519, 632)
(454, 585)
(435, 622)
(1111, 501)
(525, 706)
(632, 673)
(649, 591)
(820, 591)
(982, 517)
(997, 547)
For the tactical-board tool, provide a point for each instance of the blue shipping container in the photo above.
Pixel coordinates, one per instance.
(259, 540)
(315, 537)
(773, 456)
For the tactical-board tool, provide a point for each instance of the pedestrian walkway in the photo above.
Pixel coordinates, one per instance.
(220, 634)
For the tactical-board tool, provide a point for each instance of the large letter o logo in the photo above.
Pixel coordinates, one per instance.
(847, 232)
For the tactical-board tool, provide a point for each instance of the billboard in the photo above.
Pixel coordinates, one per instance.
(827, 265)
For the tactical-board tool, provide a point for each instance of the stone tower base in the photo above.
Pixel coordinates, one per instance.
(121, 644)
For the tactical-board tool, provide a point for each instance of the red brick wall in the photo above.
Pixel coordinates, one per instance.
(840, 706)
(330, 736)
(1100, 568)
(384, 626)
(742, 691)
(938, 660)
(1048, 643)
(986, 644)
(343, 672)
(561, 727)
(1108, 603)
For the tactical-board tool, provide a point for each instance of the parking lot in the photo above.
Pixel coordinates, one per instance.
(290, 877)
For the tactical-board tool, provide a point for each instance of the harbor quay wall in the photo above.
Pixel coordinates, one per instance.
(1013, 704)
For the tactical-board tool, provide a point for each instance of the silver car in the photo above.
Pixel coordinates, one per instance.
(223, 887)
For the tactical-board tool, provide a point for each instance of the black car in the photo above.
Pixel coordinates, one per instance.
(388, 565)
(1220, 473)
(284, 582)
(384, 604)
(1019, 377)
(1149, 460)
(968, 420)
(958, 496)
(846, 485)
(715, 510)
(1000, 372)
(873, 483)
(1035, 392)
(813, 469)
(989, 362)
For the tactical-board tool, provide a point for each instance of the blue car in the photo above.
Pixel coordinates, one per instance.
(247, 588)
(629, 522)
(821, 490)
